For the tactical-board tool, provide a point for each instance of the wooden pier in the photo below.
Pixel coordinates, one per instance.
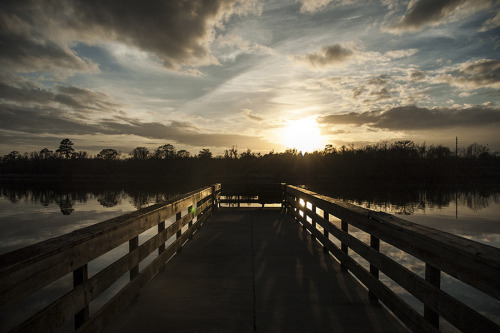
(246, 269)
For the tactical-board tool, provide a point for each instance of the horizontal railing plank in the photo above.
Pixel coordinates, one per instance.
(29, 269)
(407, 315)
(476, 264)
(125, 296)
(454, 311)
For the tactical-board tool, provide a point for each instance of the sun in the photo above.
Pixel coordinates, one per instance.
(303, 134)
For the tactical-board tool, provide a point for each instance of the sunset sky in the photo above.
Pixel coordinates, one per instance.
(264, 75)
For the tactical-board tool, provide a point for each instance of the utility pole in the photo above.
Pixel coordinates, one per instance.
(456, 177)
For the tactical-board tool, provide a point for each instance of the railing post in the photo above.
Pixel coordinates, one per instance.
(213, 198)
(374, 244)
(283, 197)
(344, 226)
(80, 275)
(179, 232)
(433, 276)
(313, 220)
(325, 231)
(161, 227)
(190, 223)
(132, 245)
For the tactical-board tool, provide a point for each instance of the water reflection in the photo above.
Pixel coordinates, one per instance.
(409, 201)
(67, 200)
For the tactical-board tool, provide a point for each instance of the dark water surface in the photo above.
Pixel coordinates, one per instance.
(30, 215)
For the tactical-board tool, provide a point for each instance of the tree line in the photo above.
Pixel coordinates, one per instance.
(401, 161)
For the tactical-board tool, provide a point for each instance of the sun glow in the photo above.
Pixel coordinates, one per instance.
(303, 134)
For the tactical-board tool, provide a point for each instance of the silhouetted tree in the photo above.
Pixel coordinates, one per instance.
(13, 155)
(231, 153)
(66, 148)
(140, 153)
(108, 154)
(165, 152)
(45, 153)
(183, 154)
(205, 154)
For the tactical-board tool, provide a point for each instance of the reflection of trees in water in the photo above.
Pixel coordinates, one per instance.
(407, 202)
(142, 199)
(65, 202)
(109, 198)
(398, 201)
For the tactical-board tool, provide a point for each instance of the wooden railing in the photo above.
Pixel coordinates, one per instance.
(237, 194)
(473, 263)
(30, 269)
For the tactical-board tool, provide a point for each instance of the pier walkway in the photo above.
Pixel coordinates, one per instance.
(253, 270)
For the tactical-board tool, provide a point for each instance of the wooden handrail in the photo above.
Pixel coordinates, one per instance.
(475, 264)
(27, 270)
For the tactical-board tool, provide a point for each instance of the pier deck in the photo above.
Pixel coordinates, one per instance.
(253, 269)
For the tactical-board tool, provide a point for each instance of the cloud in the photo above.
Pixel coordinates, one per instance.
(73, 99)
(231, 45)
(417, 75)
(38, 35)
(328, 56)
(249, 114)
(28, 109)
(423, 13)
(311, 6)
(24, 50)
(415, 118)
(483, 73)
(491, 23)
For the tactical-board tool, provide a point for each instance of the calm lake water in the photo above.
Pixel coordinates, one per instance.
(28, 216)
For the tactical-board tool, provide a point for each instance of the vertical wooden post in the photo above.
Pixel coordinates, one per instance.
(374, 244)
(283, 198)
(213, 199)
(313, 219)
(161, 227)
(433, 276)
(345, 228)
(132, 245)
(190, 210)
(325, 231)
(80, 275)
(179, 233)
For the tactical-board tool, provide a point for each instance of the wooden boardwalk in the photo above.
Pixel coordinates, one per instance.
(253, 269)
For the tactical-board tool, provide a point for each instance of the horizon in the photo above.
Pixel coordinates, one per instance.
(259, 75)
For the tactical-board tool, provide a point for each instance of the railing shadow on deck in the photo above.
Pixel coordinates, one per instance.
(29, 270)
(473, 263)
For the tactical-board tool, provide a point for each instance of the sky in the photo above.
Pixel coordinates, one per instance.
(255, 74)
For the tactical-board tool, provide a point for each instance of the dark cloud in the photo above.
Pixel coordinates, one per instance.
(75, 99)
(414, 118)
(417, 75)
(36, 35)
(41, 120)
(326, 57)
(484, 73)
(424, 12)
(26, 49)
